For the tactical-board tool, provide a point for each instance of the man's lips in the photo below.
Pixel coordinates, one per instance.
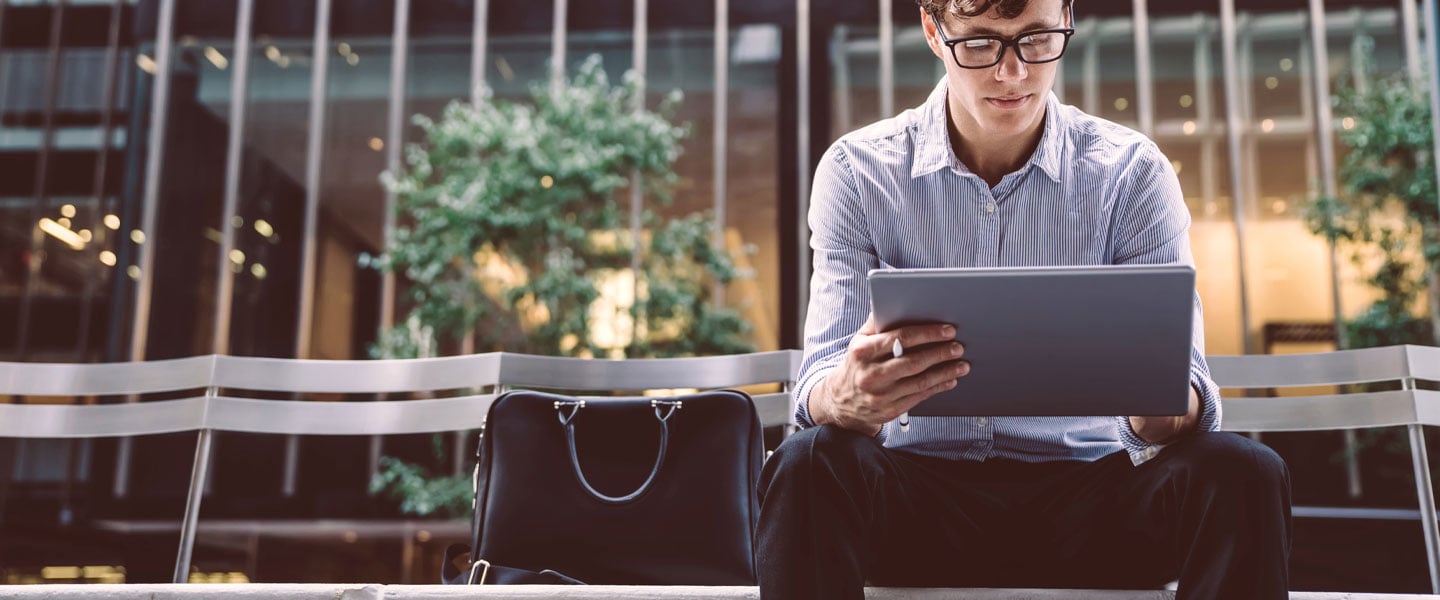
(1014, 101)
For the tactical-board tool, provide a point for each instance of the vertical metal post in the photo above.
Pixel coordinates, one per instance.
(199, 473)
(1058, 86)
(314, 147)
(1324, 125)
(479, 42)
(1433, 52)
(235, 149)
(108, 89)
(154, 155)
(479, 45)
(887, 60)
(1425, 492)
(1090, 67)
(1358, 61)
(557, 46)
(50, 94)
(640, 59)
(305, 318)
(395, 139)
(722, 129)
(1325, 145)
(1410, 33)
(1144, 68)
(1235, 126)
(1205, 112)
(802, 150)
(840, 60)
(395, 134)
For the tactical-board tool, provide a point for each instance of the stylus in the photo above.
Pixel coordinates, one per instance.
(897, 351)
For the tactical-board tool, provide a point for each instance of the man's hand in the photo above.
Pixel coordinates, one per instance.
(1159, 430)
(871, 386)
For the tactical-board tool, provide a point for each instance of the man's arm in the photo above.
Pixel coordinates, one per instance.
(1152, 227)
(849, 377)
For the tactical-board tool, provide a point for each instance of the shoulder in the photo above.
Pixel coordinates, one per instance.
(1110, 145)
(885, 143)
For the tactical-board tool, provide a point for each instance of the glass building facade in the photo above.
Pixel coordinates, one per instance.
(187, 177)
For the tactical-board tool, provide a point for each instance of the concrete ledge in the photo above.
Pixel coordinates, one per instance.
(263, 591)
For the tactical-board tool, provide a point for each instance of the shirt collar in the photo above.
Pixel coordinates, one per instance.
(932, 138)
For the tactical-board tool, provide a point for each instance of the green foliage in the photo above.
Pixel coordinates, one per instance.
(420, 493)
(1387, 206)
(508, 218)
(510, 230)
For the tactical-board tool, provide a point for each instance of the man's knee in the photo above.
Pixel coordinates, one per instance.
(1229, 459)
(818, 450)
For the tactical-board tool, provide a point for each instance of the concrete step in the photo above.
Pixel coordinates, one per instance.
(271, 591)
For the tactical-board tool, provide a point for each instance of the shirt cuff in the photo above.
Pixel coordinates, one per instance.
(1210, 413)
(802, 395)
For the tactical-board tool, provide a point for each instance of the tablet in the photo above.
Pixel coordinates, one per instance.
(1053, 341)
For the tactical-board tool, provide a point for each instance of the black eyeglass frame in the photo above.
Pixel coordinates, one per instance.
(1005, 42)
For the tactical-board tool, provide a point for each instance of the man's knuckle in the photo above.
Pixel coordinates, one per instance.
(865, 381)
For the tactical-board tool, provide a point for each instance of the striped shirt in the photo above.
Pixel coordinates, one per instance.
(894, 195)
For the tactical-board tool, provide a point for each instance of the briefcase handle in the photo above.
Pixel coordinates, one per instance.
(567, 410)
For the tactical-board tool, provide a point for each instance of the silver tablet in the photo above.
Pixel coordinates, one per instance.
(1053, 341)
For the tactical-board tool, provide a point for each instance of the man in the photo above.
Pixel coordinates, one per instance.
(993, 171)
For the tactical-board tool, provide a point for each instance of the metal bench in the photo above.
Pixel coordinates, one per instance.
(1407, 406)
(244, 380)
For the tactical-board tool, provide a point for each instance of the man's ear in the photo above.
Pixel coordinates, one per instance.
(931, 38)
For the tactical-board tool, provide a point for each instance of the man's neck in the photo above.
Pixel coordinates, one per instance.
(992, 158)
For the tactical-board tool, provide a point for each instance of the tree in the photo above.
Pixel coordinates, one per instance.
(1387, 208)
(510, 232)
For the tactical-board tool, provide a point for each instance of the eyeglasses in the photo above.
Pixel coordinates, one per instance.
(984, 51)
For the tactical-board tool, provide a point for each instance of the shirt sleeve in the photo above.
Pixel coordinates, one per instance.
(1152, 227)
(843, 255)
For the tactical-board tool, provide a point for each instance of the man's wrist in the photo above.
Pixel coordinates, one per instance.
(1163, 430)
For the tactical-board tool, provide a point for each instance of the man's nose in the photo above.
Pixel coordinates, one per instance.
(1011, 68)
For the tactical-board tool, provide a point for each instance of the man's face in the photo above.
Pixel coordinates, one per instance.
(1007, 99)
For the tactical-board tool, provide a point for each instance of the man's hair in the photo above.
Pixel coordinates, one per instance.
(1007, 9)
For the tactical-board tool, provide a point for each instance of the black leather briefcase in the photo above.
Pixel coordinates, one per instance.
(638, 491)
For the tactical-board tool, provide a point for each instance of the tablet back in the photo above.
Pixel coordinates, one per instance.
(1053, 341)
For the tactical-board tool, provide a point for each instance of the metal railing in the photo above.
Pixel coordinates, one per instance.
(228, 380)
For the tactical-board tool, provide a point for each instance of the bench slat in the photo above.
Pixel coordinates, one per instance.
(101, 379)
(1342, 411)
(105, 420)
(357, 376)
(523, 370)
(1326, 368)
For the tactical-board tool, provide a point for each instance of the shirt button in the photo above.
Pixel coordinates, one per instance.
(981, 422)
(989, 208)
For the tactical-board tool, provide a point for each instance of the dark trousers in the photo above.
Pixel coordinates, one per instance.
(838, 510)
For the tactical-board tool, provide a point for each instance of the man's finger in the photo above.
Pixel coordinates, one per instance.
(918, 360)
(909, 401)
(931, 377)
(882, 346)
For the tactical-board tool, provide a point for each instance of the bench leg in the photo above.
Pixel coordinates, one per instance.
(198, 474)
(1426, 494)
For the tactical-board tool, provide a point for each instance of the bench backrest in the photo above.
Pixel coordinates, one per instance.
(226, 391)
(1402, 365)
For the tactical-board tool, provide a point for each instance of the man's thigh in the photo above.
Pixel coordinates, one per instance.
(945, 523)
(1111, 524)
